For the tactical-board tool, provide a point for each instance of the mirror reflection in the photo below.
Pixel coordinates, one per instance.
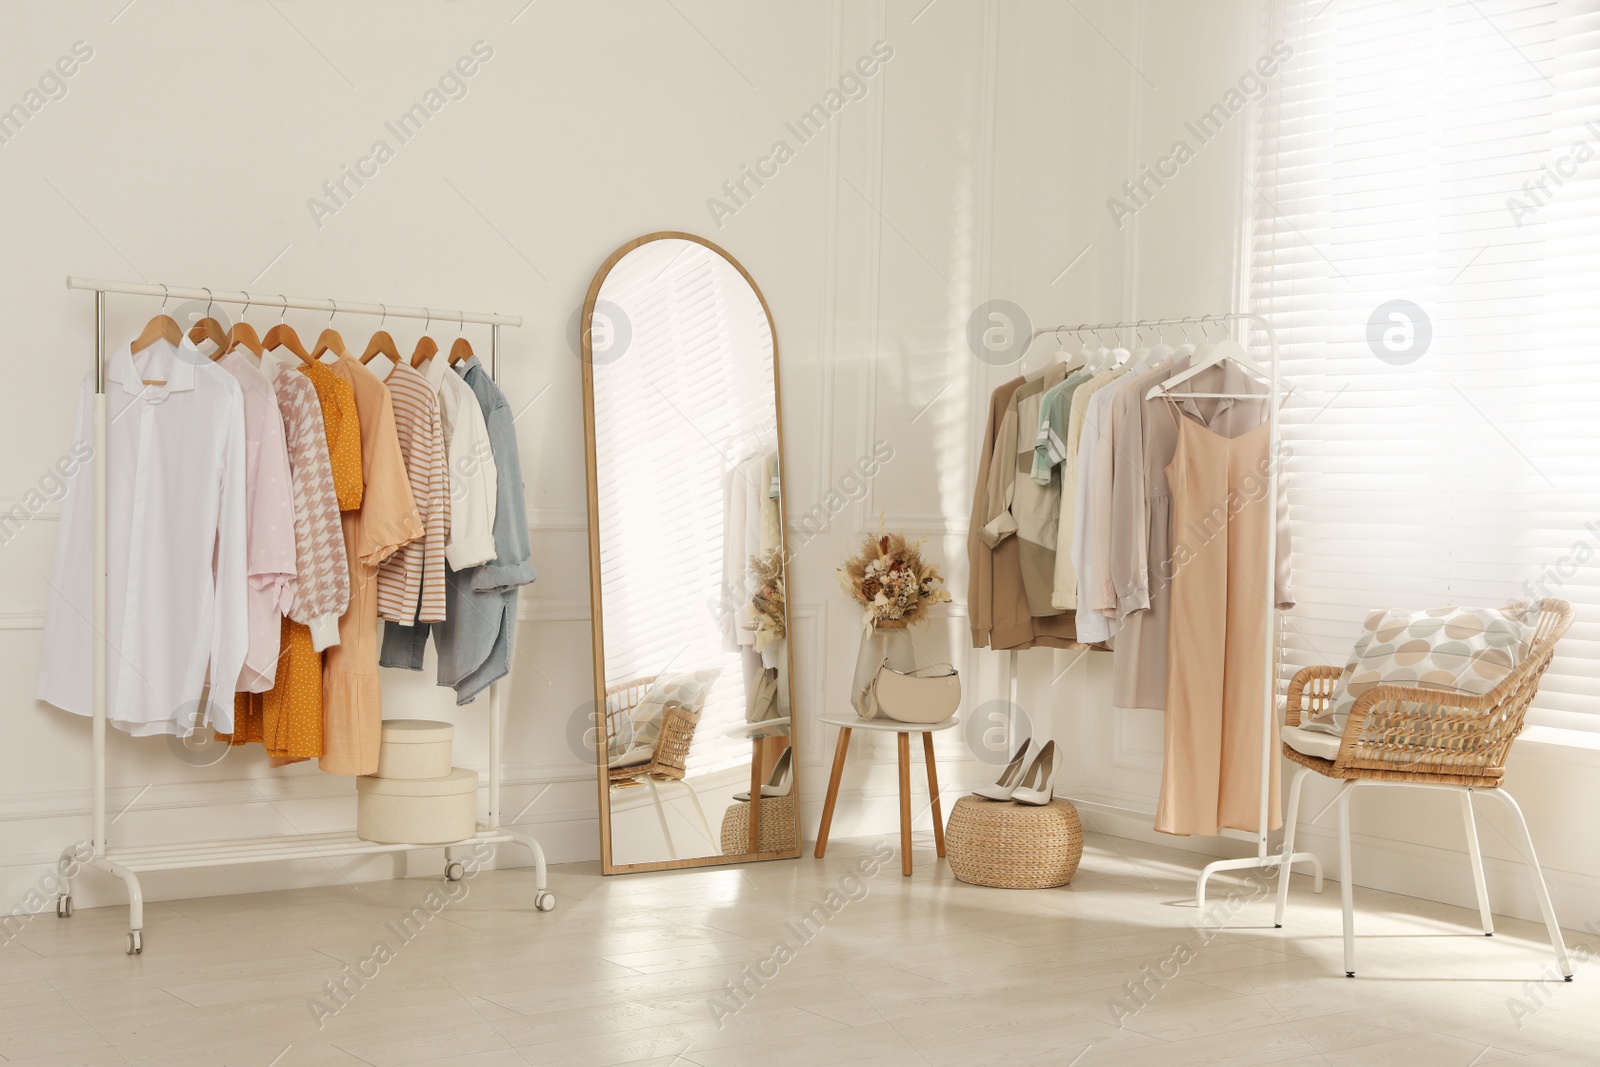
(686, 508)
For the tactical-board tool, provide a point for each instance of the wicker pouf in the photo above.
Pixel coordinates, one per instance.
(779, 829)
(1014, 846)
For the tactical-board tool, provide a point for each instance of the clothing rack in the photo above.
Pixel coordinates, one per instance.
(1263, 858)
(127, 863)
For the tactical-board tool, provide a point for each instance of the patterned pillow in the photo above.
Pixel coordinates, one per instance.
(634, 743)
(1457, 650)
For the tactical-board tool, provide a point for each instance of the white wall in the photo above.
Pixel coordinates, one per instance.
(968, 169)
(976, 166)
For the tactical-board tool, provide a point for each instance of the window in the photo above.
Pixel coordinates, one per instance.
(1426, 242)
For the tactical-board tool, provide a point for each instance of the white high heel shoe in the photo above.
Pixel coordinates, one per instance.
(778, 783)
(1038, 785)
(1009, 778)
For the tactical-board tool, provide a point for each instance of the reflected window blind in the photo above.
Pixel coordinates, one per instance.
(1425, 239)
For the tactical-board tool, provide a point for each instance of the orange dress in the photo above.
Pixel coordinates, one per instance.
(352, 716)
(288, 719)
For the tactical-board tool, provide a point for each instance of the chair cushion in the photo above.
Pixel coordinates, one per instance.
(634, 743)
(1454, 650)
(1311, 743)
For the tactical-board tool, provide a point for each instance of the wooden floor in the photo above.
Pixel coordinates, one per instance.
(643, 970)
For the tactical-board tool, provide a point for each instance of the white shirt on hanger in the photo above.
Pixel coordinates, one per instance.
(473, 479)
(176, 581)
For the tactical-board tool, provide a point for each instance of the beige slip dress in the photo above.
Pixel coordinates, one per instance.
(1211, 771)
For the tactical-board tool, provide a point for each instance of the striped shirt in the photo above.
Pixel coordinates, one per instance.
(411, 582)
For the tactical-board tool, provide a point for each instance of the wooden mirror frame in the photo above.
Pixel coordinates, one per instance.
(597, 615)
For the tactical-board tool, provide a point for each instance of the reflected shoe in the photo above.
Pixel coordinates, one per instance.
(778, 783)
(1039, 784)
(1009, 778)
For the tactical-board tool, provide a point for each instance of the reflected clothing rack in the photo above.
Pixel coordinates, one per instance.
(1264, 857)
(127, 863)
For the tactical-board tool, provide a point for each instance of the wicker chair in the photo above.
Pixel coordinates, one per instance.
(668, 761)
(1427, 738)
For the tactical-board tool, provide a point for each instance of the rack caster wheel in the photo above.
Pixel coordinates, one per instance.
(135, 943)
(64, 906)
(454, 872)
(544, 901)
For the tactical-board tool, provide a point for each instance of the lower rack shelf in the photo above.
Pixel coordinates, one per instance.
(128, 863)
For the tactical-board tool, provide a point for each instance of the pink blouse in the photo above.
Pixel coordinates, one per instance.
(269, 521)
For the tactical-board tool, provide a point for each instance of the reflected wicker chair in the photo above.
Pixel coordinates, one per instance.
(1424, 738)
(668, 761)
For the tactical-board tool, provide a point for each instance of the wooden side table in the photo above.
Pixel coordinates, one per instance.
(904, 730)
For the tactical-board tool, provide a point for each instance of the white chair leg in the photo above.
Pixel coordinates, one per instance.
(1347, 895)
(705, 826)
(661, 814)
(1540, 889)
(1289, 820)
(1476, 855)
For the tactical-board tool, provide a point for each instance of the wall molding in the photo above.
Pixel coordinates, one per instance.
(872, 276)
(532, 609)
(1125, 752)
(811, 696)
(49, 513)
(237, 792)
(933, 525)
(565, 520)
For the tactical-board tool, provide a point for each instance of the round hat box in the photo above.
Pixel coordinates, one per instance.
(415, 748)
(417, 811)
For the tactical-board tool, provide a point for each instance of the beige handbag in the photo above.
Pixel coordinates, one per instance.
(926, 695)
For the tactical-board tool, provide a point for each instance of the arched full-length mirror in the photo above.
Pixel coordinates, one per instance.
(686, 552)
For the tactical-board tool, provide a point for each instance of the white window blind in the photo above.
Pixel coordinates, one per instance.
(1447, 155)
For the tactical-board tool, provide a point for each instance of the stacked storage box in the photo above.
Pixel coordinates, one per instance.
(417, 797)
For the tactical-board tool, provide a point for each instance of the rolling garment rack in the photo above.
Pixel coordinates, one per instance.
(128, 863)
(1264, 857)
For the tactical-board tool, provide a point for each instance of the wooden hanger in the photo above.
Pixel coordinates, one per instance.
(161, 326)
(427, 347)
(381, 342)
(329, 340)
(462, 349)
(209, 327)
(241, 333)
(283, 336)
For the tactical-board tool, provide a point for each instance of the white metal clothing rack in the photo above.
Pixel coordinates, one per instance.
(127, 863)
(1264, 858)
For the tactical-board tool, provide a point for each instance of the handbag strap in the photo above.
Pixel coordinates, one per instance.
(934, 670)
(869, 692)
